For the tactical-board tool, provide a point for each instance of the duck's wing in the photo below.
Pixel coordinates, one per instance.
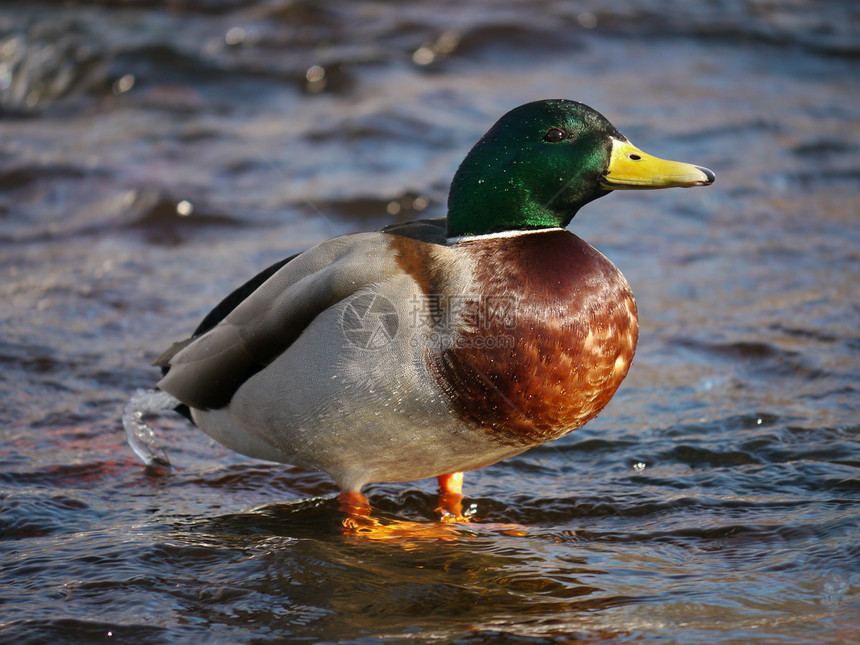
(221, 310)
(259, 321)
(237, 296)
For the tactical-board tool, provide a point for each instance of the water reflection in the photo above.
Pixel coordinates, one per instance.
(474, 577)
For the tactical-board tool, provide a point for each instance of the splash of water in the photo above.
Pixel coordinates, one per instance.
(141, 436)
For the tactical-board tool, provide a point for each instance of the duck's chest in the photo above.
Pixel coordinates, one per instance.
(543, 341)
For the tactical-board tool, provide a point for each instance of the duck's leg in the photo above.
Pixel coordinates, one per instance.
(358, 520)
(357, 509)
(451, 497)
(359, 524)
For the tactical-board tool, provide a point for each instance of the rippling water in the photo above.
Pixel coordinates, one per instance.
(152, 158)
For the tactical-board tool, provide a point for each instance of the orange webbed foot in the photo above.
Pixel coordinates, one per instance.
(359, 523)
(357, 510)
(451, 506)
(451, 498)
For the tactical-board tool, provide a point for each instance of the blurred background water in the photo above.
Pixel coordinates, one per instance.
(154, 155)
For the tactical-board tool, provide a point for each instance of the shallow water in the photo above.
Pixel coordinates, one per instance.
(714, 500)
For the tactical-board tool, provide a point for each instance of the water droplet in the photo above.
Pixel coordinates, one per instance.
(123, 84)
(234, 36)
(315, 76)
(423, 56)
(447, 42)
(315, 73)
(587, 20)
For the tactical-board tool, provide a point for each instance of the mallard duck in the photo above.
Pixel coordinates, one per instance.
(439, 346)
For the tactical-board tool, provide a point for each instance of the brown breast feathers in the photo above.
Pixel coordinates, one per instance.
(546, 341)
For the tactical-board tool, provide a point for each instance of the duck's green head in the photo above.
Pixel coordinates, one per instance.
(541, 162)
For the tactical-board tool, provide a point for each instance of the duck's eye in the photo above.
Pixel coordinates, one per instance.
(554, 135)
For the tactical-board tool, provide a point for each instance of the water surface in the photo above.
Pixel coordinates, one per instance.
(152, 158)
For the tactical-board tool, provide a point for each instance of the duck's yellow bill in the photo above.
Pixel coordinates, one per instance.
(630, 168)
